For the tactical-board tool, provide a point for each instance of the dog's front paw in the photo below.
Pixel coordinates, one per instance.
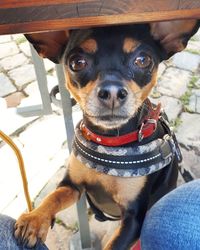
(31, 227)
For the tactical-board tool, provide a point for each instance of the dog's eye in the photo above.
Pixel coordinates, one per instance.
(143, 61)
(77, 63)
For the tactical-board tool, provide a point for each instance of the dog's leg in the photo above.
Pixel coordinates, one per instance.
(126, 235)
(34, 226)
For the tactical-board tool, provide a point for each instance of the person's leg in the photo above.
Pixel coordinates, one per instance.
(173, 223)
(7, 240)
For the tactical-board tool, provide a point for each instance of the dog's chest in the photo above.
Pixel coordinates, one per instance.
(107, 192)
(102, 200)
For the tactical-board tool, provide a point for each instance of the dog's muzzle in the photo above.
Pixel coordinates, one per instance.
(112, 95)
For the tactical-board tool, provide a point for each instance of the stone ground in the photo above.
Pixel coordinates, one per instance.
(42, 139)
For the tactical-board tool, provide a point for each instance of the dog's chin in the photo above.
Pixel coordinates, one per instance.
(109, 122)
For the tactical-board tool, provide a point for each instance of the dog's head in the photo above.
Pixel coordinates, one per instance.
(110, 71)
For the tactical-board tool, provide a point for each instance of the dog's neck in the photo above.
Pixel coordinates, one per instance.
(133, 124)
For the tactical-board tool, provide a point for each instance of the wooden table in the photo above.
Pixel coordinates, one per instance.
(40, 15)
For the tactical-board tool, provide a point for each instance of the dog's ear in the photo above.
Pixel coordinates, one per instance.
(173, 36)
(49, 44)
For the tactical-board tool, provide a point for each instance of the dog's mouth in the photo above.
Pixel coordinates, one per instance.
(111, 117)
(108, 121)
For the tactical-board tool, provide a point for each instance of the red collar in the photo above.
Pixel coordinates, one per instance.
(147, 128)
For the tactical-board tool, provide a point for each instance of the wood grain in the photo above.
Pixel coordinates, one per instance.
(37, 15)
(85, 22)
(187, 4)
(32, 3)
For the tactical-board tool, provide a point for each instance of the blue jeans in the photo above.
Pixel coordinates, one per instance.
(173, 223)
(7, 240)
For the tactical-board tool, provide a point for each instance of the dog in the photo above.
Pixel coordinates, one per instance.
(124, 156)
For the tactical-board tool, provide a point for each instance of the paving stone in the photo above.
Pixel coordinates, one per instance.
(51, 185)
(3, 104)
(14, 202)
(12, 122)
(198, 83)
(52, 82)
(16, 36)
(75, 242)
(14, 99)
(188, 133)
(193, 47)
(19, 38)
(49, 65)
(162, 67)
(8, 49)
(43, 155)
(43, 142)
(48, 131)
(58, 238)
(187, 61)
(17, 205)
(194, 101)
(5, 38)
(9, 164)
(25, 48)
(12, 62)
(33, 87)
(171, 105)
(104, 230)
(191, 161)
(23, 75)
(174, 82)
(33, 93)
(69, 217)
(6, 86)
(197, 36)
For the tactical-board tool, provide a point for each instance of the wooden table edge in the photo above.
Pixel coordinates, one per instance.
(94, 21)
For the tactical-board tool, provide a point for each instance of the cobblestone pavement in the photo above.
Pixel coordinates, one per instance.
(42, 139)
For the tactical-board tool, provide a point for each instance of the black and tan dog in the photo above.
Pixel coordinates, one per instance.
(124, 155)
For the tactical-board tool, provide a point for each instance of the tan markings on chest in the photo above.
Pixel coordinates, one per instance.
(123, 190)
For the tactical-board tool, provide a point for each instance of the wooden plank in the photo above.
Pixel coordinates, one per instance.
(82, 8)
(187, 4)
(143, 3)
(69, 23)
(73, 10)
(33, 3)
(95, 8)
(22, 14)
(151, 5)
(38, 15)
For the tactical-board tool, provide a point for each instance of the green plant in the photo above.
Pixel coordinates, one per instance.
(175, 124)
(193, 83)
(20, 40)
(193, 51)
(186, 98)
(73, 227)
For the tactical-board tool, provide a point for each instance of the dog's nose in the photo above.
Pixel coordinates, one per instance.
(112, 95)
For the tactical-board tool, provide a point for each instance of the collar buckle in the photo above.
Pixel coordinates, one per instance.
(145, 124)
(154, 122)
